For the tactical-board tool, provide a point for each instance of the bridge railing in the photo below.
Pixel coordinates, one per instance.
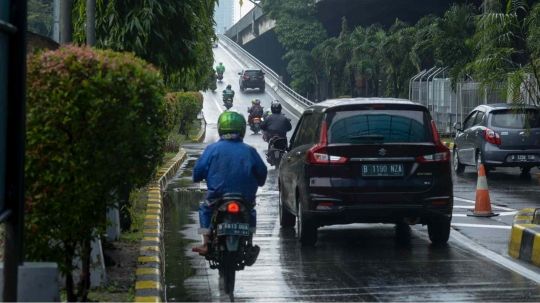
(299, 102)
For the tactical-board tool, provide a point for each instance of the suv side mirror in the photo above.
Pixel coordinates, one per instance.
(240, 74)
(457, 126)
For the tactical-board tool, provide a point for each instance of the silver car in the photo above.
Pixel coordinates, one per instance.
(496, 135)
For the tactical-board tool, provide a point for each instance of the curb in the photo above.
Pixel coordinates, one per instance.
(449, 144)
(149, 285)
(525, 236)
(202, 133)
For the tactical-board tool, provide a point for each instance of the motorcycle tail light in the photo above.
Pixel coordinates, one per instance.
(233, 208)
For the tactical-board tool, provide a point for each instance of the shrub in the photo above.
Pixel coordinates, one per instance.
(189, 107)
(96, 119)
(197, 95)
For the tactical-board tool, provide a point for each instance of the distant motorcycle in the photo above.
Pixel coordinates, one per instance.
(277, 146)
(220, 76)
(228, 102)
(255, 125)
(230, 248)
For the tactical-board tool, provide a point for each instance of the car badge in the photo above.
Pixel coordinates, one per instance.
(522, 133)
(382, 152)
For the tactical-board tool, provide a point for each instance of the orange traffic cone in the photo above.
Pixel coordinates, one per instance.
(482, 207)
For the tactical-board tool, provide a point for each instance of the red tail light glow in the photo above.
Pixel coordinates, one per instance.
(262, 77)
(442, 153)
(233, 208)
(492, 136)
(318, 153)
(245, 77)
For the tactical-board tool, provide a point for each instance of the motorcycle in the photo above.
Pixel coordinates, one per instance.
(277, 147)
(230, 247)
(255, 125)
(228, 102)
(220, 76)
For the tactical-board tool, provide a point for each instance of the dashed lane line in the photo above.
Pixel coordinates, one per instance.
(494, 206)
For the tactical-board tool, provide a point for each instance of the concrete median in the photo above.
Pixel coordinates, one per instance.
(525, 237)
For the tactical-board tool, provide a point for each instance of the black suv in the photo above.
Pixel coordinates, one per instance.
(366, 161)
(252, 78)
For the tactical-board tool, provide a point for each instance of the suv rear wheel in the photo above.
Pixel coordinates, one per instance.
(439, 230)
(525, 170)
(286, 219)
(262, 89)
(306, 230)
(458, 167)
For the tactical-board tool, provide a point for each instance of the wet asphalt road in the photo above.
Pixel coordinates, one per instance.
(358, 262)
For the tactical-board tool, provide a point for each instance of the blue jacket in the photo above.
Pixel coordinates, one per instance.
(230, 166)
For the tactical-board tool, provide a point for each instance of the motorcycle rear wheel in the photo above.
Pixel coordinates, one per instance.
(229, 271)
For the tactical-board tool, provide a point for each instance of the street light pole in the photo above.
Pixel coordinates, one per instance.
(66, 26)
(56, 21)
(91, 22)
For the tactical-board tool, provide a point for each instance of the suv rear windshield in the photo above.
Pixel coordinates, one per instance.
(509, 119)
(379, 126)
(252, 73)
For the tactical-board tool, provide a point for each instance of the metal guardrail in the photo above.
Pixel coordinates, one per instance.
(300, 100)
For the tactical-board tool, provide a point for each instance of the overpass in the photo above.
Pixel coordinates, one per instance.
(254, 32)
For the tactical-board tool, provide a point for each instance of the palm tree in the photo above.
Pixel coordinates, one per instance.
(508, 39)
(455, 47)
(396, 47)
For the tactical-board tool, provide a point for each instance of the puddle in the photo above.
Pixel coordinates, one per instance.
(178, 205)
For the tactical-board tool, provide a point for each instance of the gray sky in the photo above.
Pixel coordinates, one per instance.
(245, 9)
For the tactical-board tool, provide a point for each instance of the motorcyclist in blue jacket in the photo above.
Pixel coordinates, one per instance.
(229, 166)
(228, 93)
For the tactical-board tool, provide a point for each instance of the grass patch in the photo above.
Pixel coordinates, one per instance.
(138, 200)
(113, 293)
(176, 140)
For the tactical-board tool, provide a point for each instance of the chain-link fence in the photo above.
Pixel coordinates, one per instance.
(432, 88)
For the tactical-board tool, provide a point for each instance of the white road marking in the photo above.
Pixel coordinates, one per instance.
(274, 97)
(494, 206)
(217, 103)
(482, 225)
(510, 213)
(512, 265)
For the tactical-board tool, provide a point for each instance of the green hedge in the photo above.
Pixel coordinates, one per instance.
(187, 106)
(96, 119)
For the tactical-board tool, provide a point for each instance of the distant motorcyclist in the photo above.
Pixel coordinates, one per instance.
(228, 93)
(276, 124)
(255, 111)
(228, 166)
(220, 68)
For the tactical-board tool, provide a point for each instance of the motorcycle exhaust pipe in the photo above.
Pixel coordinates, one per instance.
(411, 221)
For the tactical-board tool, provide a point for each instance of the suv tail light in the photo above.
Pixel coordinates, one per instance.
(492, 136)
(245, 77)
(318, 153)
(442, 153)
(233, 208)
(262, 77)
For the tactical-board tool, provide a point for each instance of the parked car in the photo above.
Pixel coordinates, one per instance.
(252, 78)
(366, 161)
(496, 136)
(214, 44)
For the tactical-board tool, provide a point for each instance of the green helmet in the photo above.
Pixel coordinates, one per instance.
(231, 122)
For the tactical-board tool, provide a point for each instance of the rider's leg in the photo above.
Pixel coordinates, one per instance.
(205, 218)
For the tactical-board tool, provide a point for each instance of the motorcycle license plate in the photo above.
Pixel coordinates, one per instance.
(233, 229)
(276, 154)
